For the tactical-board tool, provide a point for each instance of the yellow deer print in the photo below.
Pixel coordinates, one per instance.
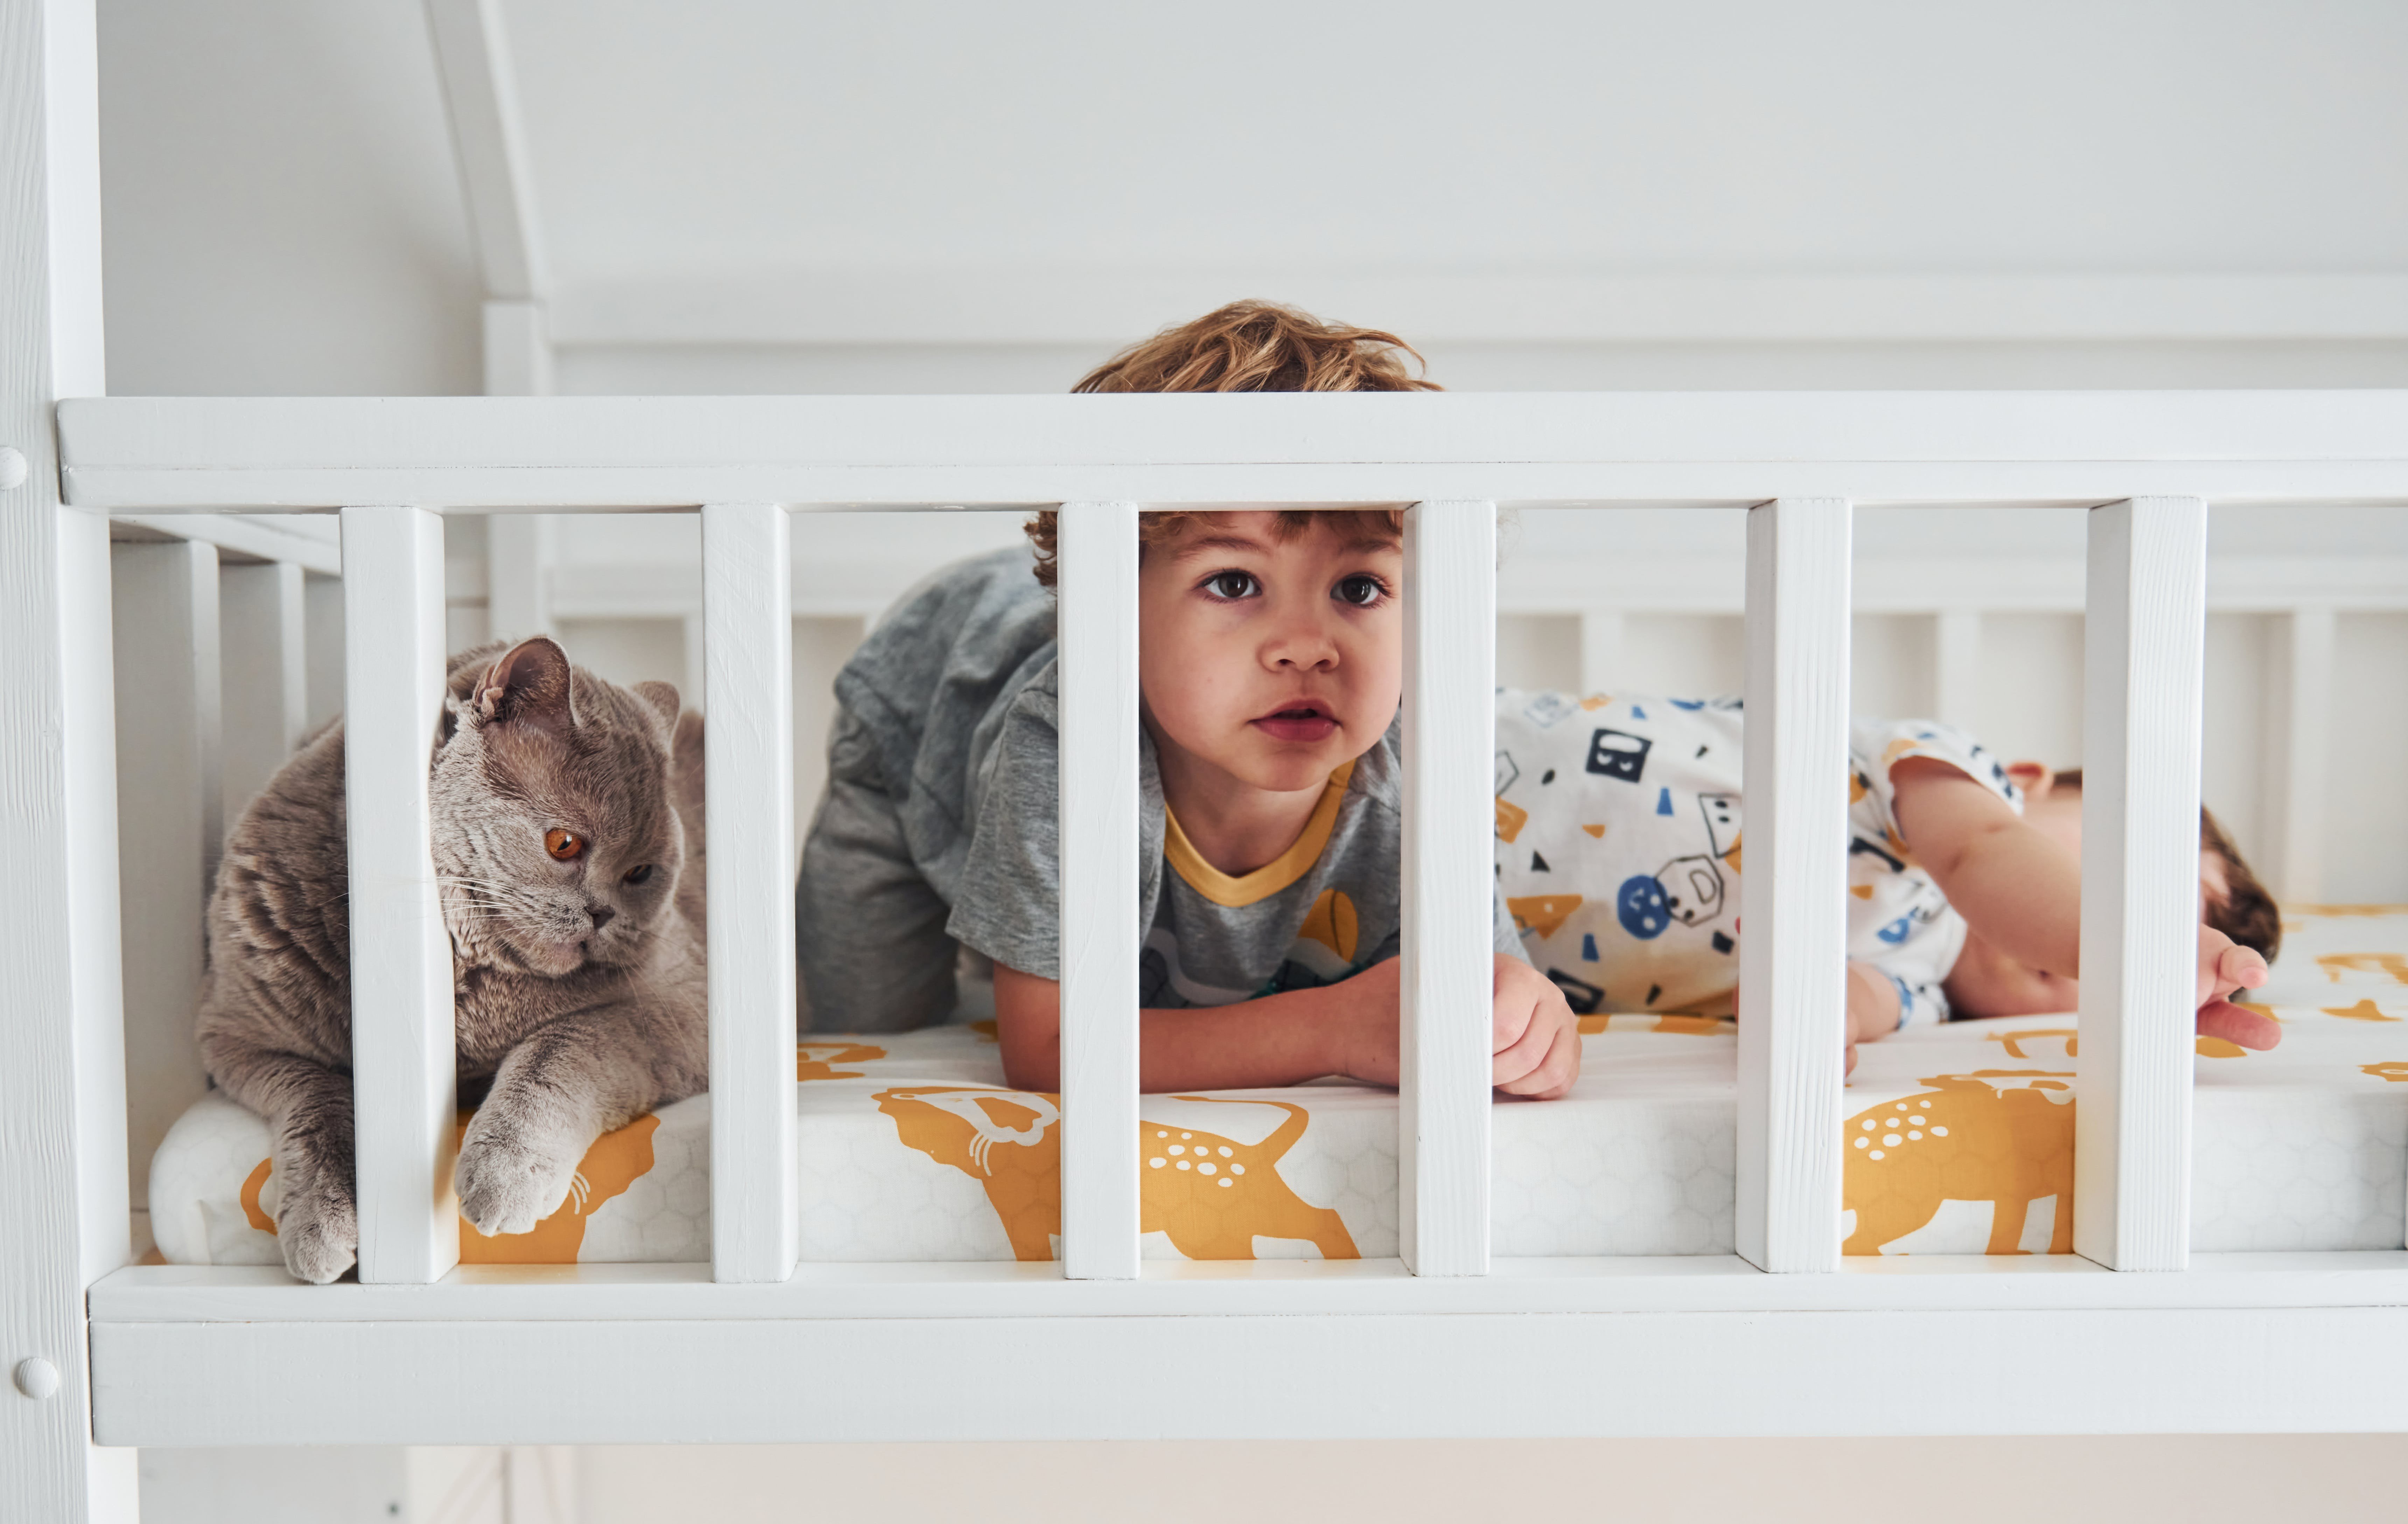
(616, 1161)
(818, 1060)
(1211, 1194)
(2394, 964)
(1965, 1141)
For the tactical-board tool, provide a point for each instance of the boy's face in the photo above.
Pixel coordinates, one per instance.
(1273, 662)
(1988, 982)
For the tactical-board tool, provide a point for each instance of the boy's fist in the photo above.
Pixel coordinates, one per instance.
(1536, 1037)
(2225, 970)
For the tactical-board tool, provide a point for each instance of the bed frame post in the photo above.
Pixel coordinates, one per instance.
(748, 695)
(1100, 934)
(1449, 884)
(63, 1039)
(169, 813)
(2145, 634)
(1793, 888)
(405, 1093)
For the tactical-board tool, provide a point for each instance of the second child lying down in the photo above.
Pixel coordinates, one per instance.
(1619, 848)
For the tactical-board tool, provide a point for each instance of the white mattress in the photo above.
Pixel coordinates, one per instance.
(1960, 1137)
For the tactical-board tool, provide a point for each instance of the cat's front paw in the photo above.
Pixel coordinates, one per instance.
(510, 1181)
(317, 1227)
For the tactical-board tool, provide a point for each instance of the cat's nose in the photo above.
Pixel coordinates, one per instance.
(601, 915)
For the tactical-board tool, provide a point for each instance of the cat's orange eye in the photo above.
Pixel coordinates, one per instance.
(564, 844)
(638, 874)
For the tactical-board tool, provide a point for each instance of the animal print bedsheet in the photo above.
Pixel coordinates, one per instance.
(1959, 1140)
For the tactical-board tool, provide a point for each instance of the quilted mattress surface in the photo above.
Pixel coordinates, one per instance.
(1959, 1139)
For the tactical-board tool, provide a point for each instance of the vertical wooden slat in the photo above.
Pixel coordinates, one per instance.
(2146, 620)
(168, 805)
(62, 1043)
(2299, 742)
(747, 646)
(1792, 889)
(1957, 669)
(1601, 659)
(1100, 935)
(264, 676)
(1450, 735)
(404, 1092)
(321, 646)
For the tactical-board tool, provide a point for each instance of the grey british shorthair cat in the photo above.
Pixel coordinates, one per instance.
(568, 832)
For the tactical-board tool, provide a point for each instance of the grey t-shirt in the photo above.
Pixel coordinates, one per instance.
(958, 690)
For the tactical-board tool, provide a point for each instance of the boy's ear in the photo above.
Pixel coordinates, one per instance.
(2033, 779)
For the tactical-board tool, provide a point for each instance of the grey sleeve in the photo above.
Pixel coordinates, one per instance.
(1007, 902)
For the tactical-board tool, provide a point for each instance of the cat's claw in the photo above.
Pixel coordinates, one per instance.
(508, 1184)
(320, 1234)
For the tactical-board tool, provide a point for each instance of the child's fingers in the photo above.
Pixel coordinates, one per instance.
(1525, 1053)
(2239, 1025)
(2242, 967)
(1554, 1073)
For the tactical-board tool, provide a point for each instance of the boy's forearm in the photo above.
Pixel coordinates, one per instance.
(1276, 1040)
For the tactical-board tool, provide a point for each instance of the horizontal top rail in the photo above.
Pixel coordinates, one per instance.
(1701, 448)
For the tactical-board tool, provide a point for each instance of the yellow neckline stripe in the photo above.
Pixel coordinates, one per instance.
(1273, 876)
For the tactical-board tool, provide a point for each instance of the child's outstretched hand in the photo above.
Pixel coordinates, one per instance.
(2225, 970)
(1536, 1036)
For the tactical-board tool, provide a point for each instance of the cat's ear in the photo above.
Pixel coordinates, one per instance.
(527, 684)
(663, 697)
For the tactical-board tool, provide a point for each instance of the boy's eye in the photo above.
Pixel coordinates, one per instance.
(1232, 584)
(1360, 591)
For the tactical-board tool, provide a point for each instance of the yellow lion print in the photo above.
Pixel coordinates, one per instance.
(818, 1060)
(1211, 1194)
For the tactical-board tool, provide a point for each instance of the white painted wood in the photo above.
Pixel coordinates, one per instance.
(517, 569)
(1957, 669)
(1446, 1005)
(170, 811)
(264, 676)
(1100, 934)
(63, 1195)
(2145, 646)
(1601, 647)
(748, 691)
(518, 352)
(2298, 752)
(1708, 448)
(309, 540)
(1793, 959)
(404, 1085)
(2226, 1370)
(1501, 303)
(619, 1293)
(472, 51)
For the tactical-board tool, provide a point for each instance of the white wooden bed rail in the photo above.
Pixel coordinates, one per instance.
(2146, 605)
(1419, 1346)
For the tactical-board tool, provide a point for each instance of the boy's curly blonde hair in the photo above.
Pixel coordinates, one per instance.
(1249, 346)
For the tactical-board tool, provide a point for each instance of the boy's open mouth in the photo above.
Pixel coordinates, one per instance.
(1303, 720)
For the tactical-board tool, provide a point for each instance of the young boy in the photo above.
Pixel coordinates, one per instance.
(1270, 663)
(1619, 842)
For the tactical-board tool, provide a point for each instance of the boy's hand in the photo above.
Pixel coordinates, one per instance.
(1537, 1037)
(2225, 970)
